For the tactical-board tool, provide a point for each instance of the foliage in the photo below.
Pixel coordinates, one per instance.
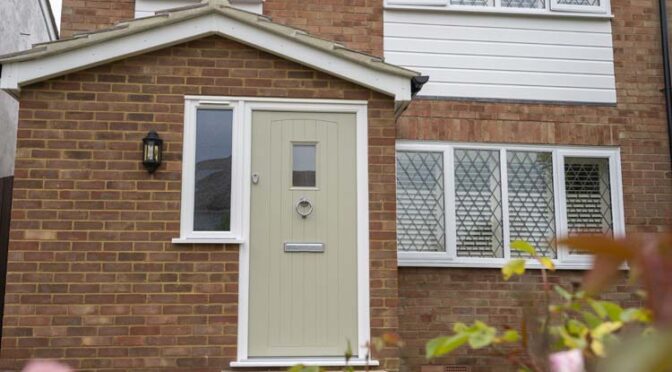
(579, 330)
(580, 322)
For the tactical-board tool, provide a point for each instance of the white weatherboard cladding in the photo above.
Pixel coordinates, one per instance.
(504, 56)
(147, 8)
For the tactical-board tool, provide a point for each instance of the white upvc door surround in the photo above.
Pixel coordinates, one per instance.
(245, 107)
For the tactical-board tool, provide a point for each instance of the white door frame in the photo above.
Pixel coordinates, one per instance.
(360, 109)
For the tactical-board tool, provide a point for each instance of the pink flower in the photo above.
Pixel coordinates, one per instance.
(46, 366)
(567, 361)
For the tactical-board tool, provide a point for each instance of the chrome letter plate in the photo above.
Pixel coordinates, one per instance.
(304, 247)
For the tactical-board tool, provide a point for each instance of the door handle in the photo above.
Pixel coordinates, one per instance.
(255, 178)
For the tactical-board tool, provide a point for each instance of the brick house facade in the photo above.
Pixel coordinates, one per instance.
(94, 280)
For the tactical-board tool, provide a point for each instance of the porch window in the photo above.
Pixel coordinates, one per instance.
(462, 204)
(211, 168)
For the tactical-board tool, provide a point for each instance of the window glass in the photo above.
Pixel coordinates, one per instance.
(531, 200)
(304, 165)
(212, 195)
(420, 202)
(473, 2)
(469, 216)
(478, 203)
(579, 2)
(528, 4)
(588, 196)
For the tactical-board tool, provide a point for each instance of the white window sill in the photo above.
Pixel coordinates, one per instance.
(207, 241)
(289, 362)
(434, 260)
(506, 11)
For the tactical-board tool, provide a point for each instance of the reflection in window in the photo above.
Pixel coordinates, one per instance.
(303, 158)
(212, 197)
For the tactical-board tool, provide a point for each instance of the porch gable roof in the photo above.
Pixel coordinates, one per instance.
(213, 17)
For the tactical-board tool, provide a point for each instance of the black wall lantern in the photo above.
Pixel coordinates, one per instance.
(152, 146)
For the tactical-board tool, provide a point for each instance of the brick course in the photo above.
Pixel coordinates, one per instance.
(358, 24)
(89, 15)
(93, 278)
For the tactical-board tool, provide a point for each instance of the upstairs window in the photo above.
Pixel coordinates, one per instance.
(575, 6)
(462, 204)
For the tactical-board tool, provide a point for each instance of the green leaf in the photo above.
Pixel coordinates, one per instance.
(636, 315)
(598, 308)
(302, 368)
(460, 327)
(613, 310)
(597, 346)
(443, 345)
(482, 338)
(547, 263)
(562, 292)
(348, 352)
(510, 336)
(523, 246)
(591, 320)
(568, 340)
(576, 328)
(605, 329)
(513, 267)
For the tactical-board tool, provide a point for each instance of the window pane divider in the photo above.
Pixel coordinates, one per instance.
(560, 209)
(449, 189)
(506, 234)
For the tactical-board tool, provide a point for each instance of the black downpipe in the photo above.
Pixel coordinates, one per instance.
(666, 69)
(6, 184)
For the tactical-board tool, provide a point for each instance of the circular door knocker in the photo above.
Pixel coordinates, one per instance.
(304, 207)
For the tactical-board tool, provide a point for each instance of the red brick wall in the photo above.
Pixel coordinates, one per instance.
(434, 299)
(358, 24)
(90, 15)
(431, 300)
(93, 278)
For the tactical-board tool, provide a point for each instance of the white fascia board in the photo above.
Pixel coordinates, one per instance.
(9, 78)
(27, 72)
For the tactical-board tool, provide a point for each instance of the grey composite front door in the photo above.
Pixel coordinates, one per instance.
(303, 235)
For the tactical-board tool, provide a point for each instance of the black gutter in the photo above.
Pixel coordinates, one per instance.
(416, 84)
(666, 69)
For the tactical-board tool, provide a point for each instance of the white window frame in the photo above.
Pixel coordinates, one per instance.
(187, 233)
(551, 7)
(564, 259)
(555, 6)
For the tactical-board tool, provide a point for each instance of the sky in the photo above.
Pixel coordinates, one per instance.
(56, 8)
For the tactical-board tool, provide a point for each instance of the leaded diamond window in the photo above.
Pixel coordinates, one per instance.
(588, 195)
(472, 2)
(528, 4)
(470, 216)
(580, 2)
(531, 200)
(420, 202)
(478, 203)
